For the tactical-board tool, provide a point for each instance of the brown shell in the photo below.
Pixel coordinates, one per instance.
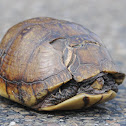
(40, 54)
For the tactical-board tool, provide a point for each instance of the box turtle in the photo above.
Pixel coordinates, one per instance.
(49, 64)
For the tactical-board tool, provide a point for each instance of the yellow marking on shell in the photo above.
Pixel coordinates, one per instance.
(77, 102)
(69, 56)
(41, 94)
(101, 98)
(119, 81)
(13, 92)
(108, 97)
(39, 90)
(119, 77)
(53, 82)
(3, 88)
(57, 80)
(28, 95)
(54, 87)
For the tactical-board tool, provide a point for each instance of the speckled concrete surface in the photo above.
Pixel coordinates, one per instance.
(107, 19)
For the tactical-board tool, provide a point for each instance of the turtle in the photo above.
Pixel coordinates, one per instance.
(50, 64)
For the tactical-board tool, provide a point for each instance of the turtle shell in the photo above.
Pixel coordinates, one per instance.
(40, 54)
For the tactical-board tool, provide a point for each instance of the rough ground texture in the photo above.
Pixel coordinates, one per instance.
(107, 19)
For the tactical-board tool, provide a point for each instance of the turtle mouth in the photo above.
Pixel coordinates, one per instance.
(95, 86)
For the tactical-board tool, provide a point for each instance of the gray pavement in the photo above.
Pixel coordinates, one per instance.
(107, 19)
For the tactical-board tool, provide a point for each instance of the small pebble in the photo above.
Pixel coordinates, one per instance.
(96, 124)
(12, 123)
(61, 120)
(106, 124)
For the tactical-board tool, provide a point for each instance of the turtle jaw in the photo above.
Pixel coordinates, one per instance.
(80, 101)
